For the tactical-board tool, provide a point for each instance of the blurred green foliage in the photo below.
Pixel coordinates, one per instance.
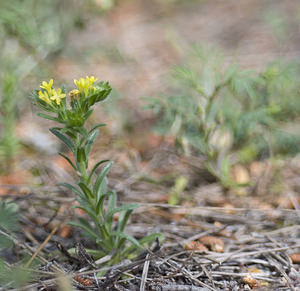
(13, 276)
(13, 273)
(39, 26)
(228, 115)
(31, 32)
(106, 4)
(9, 219)
(9, 142)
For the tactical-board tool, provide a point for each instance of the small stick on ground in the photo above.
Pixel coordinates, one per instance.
(145, 273)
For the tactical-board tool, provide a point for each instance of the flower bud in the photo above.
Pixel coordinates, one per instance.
(74, 94)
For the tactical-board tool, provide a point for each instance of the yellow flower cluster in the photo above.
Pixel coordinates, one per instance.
(49, 94)
(84, 85)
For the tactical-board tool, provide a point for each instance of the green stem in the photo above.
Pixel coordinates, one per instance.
(84, 178)
(83, 165)
(83, 172)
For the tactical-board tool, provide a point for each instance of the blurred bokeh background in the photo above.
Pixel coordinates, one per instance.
(135, 45)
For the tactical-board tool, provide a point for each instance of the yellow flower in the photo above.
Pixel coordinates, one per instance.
(57, 95)
(47, 86)
(91, 80)
(45, 97)
(84, 85)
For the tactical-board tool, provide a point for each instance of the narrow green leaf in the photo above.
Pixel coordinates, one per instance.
(151, 237)
(88, 113)
(46, 116)
(103, 187)
(86, 190)
(125, 207)
(96, 126)
(72, 188)
(68, 159)
(89, 211)
(103, 173)
(83, 132)
(63, 138)
(104, 233)
(94, 169)
(86, 223)
(128, 237)
(120, 242)
(123, 219)
(42, 106)
(100, 203)
(146, 239)
(90, 232)
(90, 141)
(101, 94)
(71, 132)
(112, 202)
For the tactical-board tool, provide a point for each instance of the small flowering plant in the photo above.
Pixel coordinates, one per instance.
(72, 111)
(79, 108)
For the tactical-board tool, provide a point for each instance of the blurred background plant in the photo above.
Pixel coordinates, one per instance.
(228, 115)
(30, 32)
(12, 274)
(9, 223)
(9, 142)
(104, 4)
